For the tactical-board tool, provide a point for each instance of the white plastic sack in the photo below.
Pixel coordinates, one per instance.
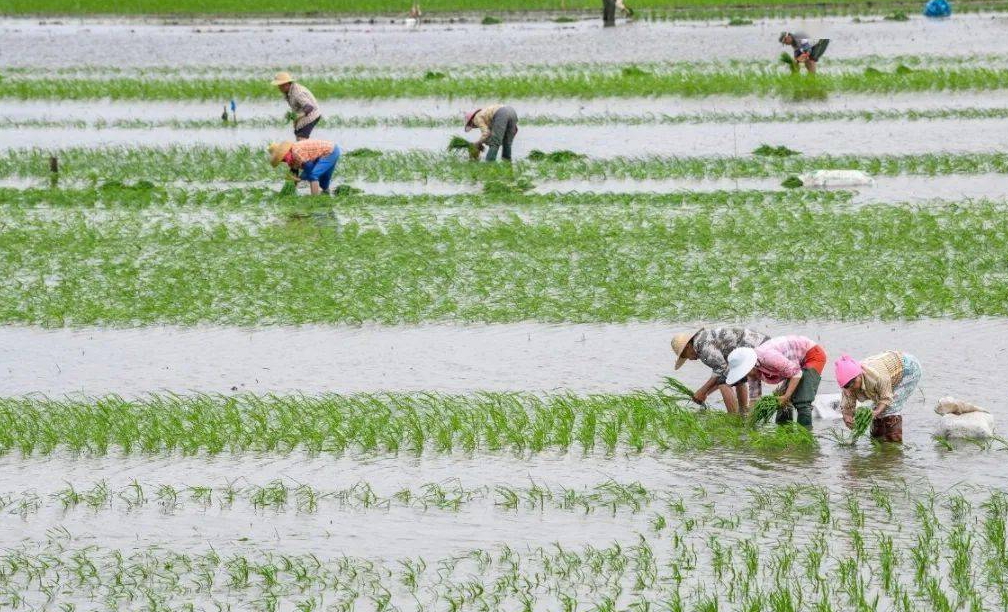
(969, 426)
(837, 178)
(951, 405)
(827, 406)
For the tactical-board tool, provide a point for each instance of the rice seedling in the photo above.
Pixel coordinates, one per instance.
(764, 408)
(739, 21)
(560, 156)
(490, 20)
(771, 151)
(897, 16)
(786, 59)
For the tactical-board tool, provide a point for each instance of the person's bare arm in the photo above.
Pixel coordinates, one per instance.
(701, 394)
(785, 399)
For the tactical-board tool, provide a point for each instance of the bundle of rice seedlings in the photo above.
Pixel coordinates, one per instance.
(515, 187)
(433, 75)
(289, 188)
(489, 20)
(346, 190)
(862, 421)
(870, 71)
(792, 182)
(902, 69)
(290, 116)
(897, 16)
(457, 142)
(739, 21)
(679, 387)
(785, 58)
(766, 407)
(634, 71)
(781, 151)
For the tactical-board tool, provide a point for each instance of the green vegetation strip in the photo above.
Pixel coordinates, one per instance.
(378, 423)
(584, 83)
(423, 121)
(772, 548)
(655, 9)
(591, 264)
(208, 164)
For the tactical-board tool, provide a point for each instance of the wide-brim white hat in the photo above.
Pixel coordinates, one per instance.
(740, 362)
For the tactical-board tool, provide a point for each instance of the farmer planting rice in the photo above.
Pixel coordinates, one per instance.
(712, 347)
(498, 125)
(310, 160)
(804, 51)
(304, 110)
(887, 380)
(794, 362)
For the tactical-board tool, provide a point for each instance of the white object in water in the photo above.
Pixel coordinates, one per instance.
(969, 426)
(837, 178)
(827, 406)
(950, 405)
(412, 22)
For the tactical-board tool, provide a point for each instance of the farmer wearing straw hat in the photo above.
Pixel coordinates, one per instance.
(498, 125)
(712, 347)
(310, 160)
(304, 109)
(887, 380)
(804, 51)
(795, 363)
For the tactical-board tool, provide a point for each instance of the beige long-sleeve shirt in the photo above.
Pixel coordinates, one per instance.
(484, 120)
(880, 375)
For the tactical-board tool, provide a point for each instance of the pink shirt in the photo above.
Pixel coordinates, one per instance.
(782, 357)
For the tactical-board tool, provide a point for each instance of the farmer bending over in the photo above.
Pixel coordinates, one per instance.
(804, 51)
(310, 160)
(794, 362)
(712, 347)
(887, 380)
(304, 109)
(498, 125)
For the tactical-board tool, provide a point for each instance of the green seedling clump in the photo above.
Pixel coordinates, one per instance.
(433, 75)
(290, 116)
(792, 182)
(289, 188)
(364, 153)
(862, 422)
(903, 69)
(897, 16)
(490, 20)
(786, 59)
(739, 21)
(634, 72)
(564, 19)
(770, 151)
(873, 72)
(560, 156)
(345, 190)
(516, 186)
(765, 408)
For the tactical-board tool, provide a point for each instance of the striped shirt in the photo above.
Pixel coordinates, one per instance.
(303, 103)
(484, 118)
(305, 151)
(782, 357)
(880, 374)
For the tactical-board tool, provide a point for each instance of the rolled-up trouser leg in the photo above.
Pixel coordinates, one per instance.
(498, 129)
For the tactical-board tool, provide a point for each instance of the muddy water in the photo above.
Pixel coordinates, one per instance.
(818, 138)
(95, 43)
(110, 110)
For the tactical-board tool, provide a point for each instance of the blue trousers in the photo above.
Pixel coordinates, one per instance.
(321, 169)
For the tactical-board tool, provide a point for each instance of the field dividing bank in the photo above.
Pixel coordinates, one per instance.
(582, 83)
(653, 9)
(203, 164)
(598, 264)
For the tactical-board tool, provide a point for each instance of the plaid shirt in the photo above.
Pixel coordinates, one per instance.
(303, 103)
(712, 347)
(484, 118)
(305, 151)
(880, 375)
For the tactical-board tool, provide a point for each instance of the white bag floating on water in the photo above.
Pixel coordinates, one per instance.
(837, 178)
(827, 406)
(969, 426)
(951, 405)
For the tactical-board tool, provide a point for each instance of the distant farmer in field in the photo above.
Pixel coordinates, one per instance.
(804, 51)
(887, 380)
(609, 11)
(310, 160)
(498, 125)
(794, 362)
(712, 347)
(304, 110)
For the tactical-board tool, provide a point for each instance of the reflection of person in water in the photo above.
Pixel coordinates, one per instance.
(804, 51)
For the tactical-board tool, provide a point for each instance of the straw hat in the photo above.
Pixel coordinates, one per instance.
(278, 150)
(282, 78)
(740, 362)
(679, 342)
(469, 118)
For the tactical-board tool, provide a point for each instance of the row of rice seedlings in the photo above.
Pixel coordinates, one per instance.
(243, 163)
(371, 423)
(279, 495)
(793, 561)
(589, 119)
(603, 264)
(468, 11)
(572, 82)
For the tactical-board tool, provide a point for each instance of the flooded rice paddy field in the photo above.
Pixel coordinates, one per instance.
(621, 495)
